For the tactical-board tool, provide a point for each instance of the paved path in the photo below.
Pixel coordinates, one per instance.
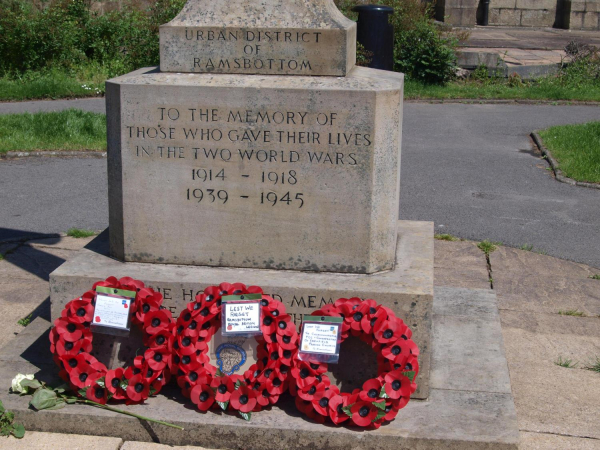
(468, 168)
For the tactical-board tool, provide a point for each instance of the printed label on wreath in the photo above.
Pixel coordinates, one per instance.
(241, 315)
(320, 338)
(113, 308)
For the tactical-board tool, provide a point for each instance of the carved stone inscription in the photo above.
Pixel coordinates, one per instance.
(256, 172)
(256, 157)
(254, 51)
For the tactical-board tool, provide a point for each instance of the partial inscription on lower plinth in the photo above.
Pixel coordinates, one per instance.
(407, 290)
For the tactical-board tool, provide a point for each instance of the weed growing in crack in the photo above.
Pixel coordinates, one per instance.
(566, 363)
(526, 247)
(446, 237)
(594, 366)
(79, 233)
(595, 277)
(488, 247)
(572, 312)
(25, 321)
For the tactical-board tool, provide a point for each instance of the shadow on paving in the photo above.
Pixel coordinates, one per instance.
(33, 259)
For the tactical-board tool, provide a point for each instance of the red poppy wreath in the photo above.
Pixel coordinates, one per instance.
(206, 385)
(380, 398)
(71, 344)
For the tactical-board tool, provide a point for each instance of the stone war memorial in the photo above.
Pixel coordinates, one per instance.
(258, 159)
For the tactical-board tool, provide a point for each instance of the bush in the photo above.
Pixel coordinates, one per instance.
(422, 50)
(67, 34)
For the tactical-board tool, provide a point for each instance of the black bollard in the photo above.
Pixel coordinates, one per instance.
(376, 34)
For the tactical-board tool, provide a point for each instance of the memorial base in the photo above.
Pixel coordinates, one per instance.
(407, 290)
(470, 404)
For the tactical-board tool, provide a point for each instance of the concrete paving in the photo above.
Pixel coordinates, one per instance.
(556, 407)
(470, 168)
(525, 51)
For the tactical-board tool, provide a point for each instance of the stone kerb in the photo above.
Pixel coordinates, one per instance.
(290, 37)
(298, 173)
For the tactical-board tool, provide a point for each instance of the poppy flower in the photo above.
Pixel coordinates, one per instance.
(112, 381)
(369, 321)
(109, 282)
(268, 325)
(157, 359)
(304, 374)
(70, 361)
(224, 388)
(303, 405)
(146, 301)
(67, 330)
(397, 385)
(308, 392)
(264, 397)
(186, 343)
(394, 349)
(284, 323)
(288, 341)
(163, 338)
(138, 388)
(356, 316)
(243, 399)
(277, 384)
(327, 310)
(392, 407)
(96, 393)
(387, 331)
(129, 284)
(251, 374)
(336, 413)
(80, 311)
(363, 413)
(156, 321)
(82, 375)
(371, 390)
(321, 400)
(63, 347)
(202, 396)
(254, 290)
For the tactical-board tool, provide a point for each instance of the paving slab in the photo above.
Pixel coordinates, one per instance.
(455, 417)
(34, 440)
(62, 242)
(542, 441)
(550, 398)
(520, 38)
(460, 264)
(130, 445)
(469, 351)
(527, 281)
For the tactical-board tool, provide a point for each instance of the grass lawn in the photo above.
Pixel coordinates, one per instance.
(577, 150)
(500, 90)
(65, 130)
(52, 84)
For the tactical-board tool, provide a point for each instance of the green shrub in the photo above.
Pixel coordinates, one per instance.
(422, 50)
(426, 55)
(66, 34)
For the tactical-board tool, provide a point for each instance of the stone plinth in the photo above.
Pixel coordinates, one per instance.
(268, 37)
(470, 407)
(276, 172)
(407, 290)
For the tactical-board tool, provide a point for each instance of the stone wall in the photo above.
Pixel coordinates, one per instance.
(581, 14)
(523, 13)
(568, 14)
